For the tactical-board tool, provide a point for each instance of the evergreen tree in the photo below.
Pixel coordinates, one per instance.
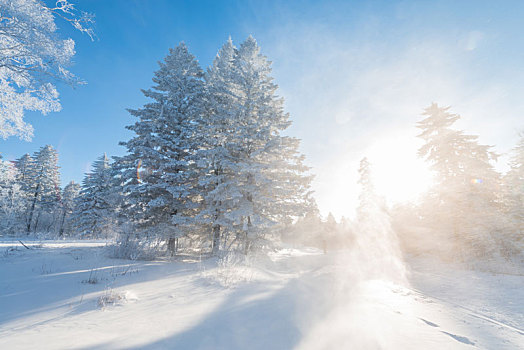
(12, 204)
(514, 192)
(465, 193)
(376, 244)
(26, 167)
(94, 213)
(214, 153)
(44, 191)
(69, 195)
(307, 230)
(159, 172)
(368, 201)
(262, 179)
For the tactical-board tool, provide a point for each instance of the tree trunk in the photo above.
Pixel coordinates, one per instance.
(61, 231)
(172, 245)
(246, 237)
(216, 240)
(32, 209)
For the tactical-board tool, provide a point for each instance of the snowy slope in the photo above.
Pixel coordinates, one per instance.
(69, 295)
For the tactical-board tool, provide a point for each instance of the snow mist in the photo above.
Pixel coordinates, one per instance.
(360, 296)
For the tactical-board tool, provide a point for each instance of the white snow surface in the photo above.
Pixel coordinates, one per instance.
(71, 295)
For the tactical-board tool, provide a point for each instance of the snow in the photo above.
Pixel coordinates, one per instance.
(71, 295)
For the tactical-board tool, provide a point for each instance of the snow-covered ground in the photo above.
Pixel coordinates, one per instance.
(70, 295)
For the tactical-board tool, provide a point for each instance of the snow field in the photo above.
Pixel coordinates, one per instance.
(70, 295)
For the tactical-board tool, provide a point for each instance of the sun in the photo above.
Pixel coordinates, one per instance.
(399, 174)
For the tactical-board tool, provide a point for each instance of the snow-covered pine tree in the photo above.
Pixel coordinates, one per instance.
(44, 193)
(263, 179)
(25, 166)
(514, 194)
(12, 199)
(371, 211)
(369, 203)
(214, 153)
(159, 172)
(464, 199)
(69, 195)
(376, 244)
(94, 214)
(330, 232)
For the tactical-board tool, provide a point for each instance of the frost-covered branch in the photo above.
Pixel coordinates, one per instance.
(33, 58)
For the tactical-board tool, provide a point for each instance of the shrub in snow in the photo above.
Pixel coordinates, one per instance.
(130, 246)
(112, 298)
(232, 268)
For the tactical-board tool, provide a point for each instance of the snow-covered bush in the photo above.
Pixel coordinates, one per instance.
(232, 268)
(113, 298)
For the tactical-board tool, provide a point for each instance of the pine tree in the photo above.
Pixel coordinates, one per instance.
(308, 230)
(94, 209)
(214, 153)
(376, 244)
(12, 200)
(368, 201)
(159, 173)
(465, 193)
(514, 192)
(262, 179)
(44, 198)
(69, 195)
(371, 211)
(25, 166)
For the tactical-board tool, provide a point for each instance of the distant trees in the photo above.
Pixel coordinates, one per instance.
(44, 190)
(32, 58)
(31, 192)
(69, 196)
(209, 169)
(32, 201)
(93, 208)
(378, 248)
(12, 200)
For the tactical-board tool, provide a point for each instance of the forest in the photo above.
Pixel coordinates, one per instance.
(210, 230)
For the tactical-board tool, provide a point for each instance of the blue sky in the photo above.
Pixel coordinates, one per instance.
(355, 76)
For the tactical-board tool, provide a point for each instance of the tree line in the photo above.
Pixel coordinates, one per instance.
(208, 164)
(211, 169)
(472, 210)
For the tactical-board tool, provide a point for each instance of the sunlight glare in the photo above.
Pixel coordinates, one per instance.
(398, 173)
